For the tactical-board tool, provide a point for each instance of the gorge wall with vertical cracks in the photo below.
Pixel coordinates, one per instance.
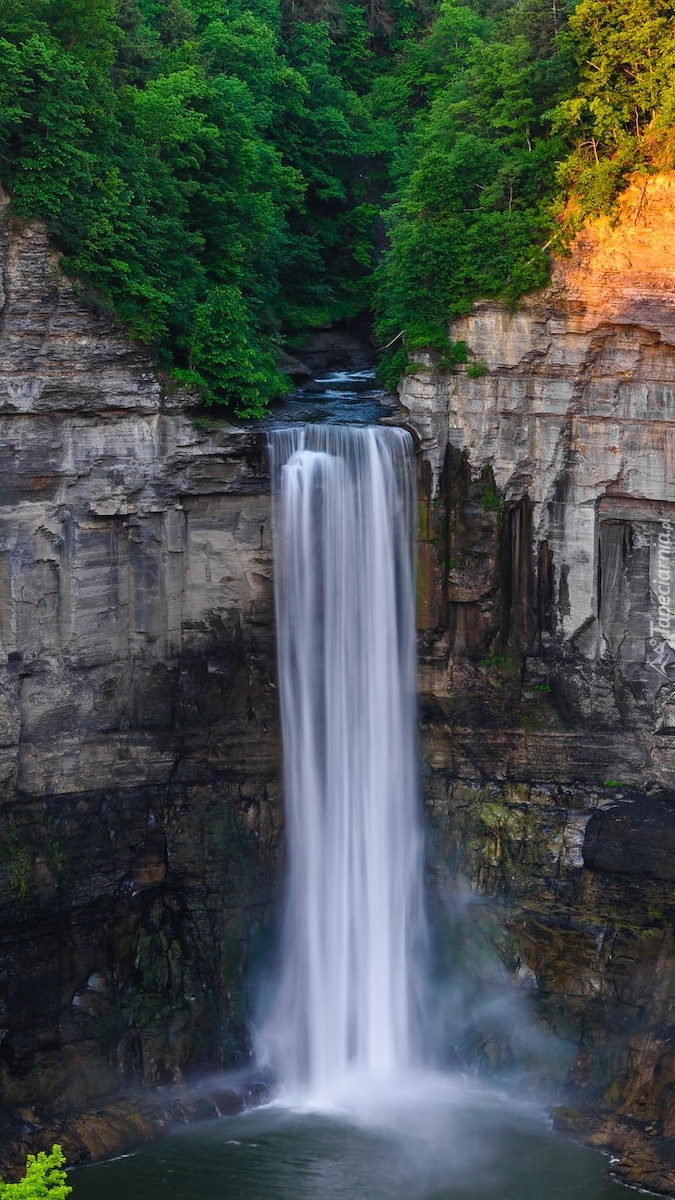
(139, 753)
(547, 671)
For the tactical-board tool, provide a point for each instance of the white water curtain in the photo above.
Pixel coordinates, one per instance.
(345, 1001)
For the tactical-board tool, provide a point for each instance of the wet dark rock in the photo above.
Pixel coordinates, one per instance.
(334, 349)
(547, 667)
(139, 747)
(636, 838)
(117, 1126)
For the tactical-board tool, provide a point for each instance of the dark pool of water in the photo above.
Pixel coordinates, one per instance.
(445, 1140)
(337, 398)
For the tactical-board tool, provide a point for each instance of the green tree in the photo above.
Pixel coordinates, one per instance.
(228, 360)
(475, 177)
(619, 116)
(44, 1179)
(225, 174)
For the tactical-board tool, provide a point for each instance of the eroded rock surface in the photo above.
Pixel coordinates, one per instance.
(139, 756)
(547, 591)
(540, 942)
(139, 751)
(554, 480)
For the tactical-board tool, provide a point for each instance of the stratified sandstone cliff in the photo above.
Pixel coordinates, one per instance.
(138, 729)
(548, 652)
(573, 424)
(139, 751)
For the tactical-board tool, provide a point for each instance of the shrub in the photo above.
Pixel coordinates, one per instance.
(44, 1179)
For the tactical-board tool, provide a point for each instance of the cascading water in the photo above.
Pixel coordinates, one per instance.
(345, 1001)
(347, 998)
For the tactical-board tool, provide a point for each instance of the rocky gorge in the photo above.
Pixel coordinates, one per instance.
(139, 755)
(139, 743)
(546, 665)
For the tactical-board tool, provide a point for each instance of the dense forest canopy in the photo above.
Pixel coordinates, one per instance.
(227, 174)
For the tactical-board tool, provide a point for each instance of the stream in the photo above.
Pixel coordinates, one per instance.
(337, 398)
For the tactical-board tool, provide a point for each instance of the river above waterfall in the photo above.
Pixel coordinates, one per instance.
(336, 398)
(439, 1138)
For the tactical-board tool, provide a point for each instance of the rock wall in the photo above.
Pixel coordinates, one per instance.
(139, 755)
(139, 749)
(557, 444)
(548, 655)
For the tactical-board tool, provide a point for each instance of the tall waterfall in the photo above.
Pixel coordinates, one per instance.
(346, 1000)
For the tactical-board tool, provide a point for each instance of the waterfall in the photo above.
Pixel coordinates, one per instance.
(347, 997)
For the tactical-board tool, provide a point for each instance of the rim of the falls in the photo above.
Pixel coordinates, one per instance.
(347, 999)
(336, 398)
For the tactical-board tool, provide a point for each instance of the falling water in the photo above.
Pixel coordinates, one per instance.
(346, 1000)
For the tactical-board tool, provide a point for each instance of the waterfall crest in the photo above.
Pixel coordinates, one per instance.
(346, 1002)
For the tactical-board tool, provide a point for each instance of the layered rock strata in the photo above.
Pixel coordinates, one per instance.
(139, 756)
(557, 443)
(547, 606)
(139, 752)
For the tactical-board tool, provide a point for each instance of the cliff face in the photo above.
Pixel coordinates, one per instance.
(566, 445)
(139, 749)
(548, 651)
(138, 731)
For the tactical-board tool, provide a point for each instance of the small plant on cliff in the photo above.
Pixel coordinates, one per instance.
(490, 500)
(15, 857)
(45, 1179)
(501, 662)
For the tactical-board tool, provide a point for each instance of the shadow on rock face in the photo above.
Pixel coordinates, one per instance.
(633, 838)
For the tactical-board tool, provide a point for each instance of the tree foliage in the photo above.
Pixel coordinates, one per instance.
(227, 174)
(470, 216)
(195, 170)
(44, 1179)
(620, 115)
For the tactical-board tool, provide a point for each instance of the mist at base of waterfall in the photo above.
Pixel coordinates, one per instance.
(426, 1136)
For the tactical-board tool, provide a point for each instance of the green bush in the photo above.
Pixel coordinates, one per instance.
(44, 1179)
